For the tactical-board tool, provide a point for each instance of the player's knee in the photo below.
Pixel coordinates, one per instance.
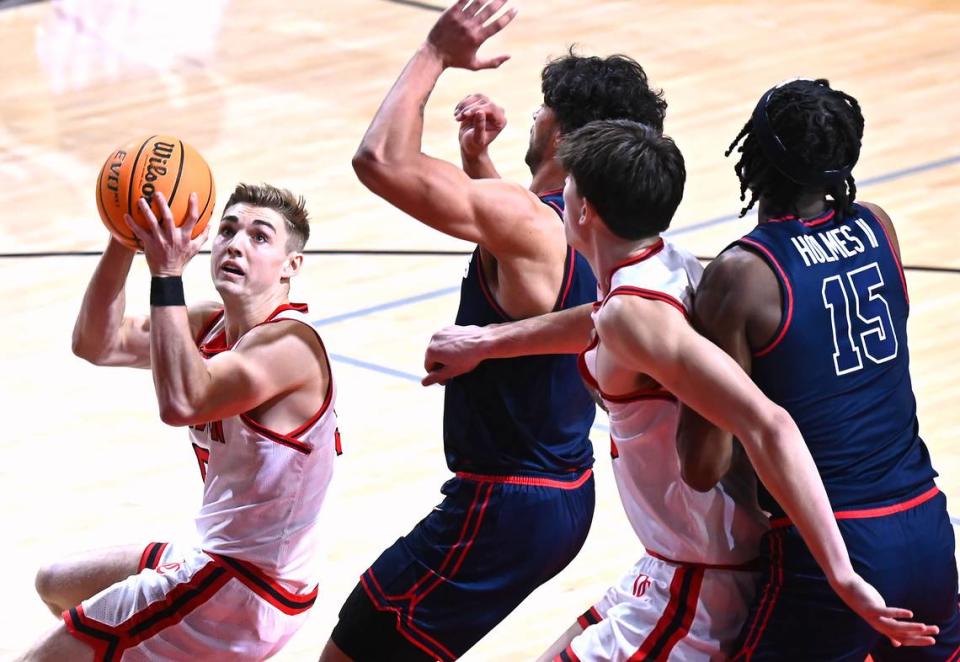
(47, 582)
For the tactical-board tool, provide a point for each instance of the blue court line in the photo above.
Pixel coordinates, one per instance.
(362, 312)
(879, 179)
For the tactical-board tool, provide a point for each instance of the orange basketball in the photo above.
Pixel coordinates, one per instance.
(139, 169)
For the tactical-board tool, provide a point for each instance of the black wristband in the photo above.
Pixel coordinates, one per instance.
(166, 291)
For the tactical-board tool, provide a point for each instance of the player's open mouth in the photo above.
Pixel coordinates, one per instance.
(231, 269)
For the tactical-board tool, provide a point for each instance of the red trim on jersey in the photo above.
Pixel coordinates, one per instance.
(552, 191)
(647, 252)
(749, 566)
(282, 439)
(589, 617)
(633, 396)
(893, 253)
(567, 655)
(614, 451)
(868, 513)
(157, 616)
(786, 283)
(337, 446)
(203, 457)
(406, 635)
(151, 556)
(769, 600)
(811, 222)
(208, 325)
(553, 204)
(582, 365)
(528, 480)
(684, 596)
(439, 576)
(219, 343)
(290, 439)
(655, 295)
(955, 655)
(482, 279)
(569, 267)
(265, 586)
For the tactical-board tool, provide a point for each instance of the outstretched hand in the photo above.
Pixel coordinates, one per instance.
(889, 621)
(460, 31)
(167, 246)
(481, 121)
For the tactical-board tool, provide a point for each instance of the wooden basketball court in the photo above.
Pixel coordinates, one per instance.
(282, 92)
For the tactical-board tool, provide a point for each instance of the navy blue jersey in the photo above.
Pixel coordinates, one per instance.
(530, 414)
(838, 363)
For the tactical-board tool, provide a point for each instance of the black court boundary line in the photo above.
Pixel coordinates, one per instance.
(419, 5)
(372, 252)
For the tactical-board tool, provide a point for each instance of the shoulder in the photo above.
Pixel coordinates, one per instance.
(284, 337)
(885, 221)
(734, 287)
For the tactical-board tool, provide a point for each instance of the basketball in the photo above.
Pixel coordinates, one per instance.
(143, 167)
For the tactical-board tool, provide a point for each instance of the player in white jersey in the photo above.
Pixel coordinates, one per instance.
(687, 597)
(252, 380)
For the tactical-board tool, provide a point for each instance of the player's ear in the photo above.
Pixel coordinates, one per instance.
(291, 266)
(588, 213)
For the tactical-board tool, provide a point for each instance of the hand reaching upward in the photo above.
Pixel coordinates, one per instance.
(463, 28)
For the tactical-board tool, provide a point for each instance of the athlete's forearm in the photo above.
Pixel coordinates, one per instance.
(97, 328)
(396, 132)
(180, 376)
(563, 332)
(479, 167)
(784, 464)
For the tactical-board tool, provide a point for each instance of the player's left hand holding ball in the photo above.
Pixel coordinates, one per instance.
(166, 245)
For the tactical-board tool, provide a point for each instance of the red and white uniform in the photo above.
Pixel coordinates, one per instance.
(687, 598)
(244, 591)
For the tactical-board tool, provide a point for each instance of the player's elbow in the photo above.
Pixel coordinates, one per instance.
(176, 414)
(370, 166)
(772, 430)
(87, 350)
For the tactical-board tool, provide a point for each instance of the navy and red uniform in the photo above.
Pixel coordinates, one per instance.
(839, 364)
(515, 433)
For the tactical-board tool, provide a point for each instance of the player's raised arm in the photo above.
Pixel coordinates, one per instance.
(103, 334)
(505, 218)
(653, 339)
(481, 121)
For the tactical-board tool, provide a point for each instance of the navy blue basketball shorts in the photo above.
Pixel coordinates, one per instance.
(438, 590)
(905, 550)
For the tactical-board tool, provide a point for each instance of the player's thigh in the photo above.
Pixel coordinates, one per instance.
(58, 645)
(81, 575)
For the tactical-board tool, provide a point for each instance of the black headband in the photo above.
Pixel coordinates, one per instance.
(782, 159)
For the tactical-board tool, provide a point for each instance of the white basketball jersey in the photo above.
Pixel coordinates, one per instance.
(719, 527)
(263, 489)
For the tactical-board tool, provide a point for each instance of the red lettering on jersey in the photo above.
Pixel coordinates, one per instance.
(640, 585)
(336, 441)
(216, 431)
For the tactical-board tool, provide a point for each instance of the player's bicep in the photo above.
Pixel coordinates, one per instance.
(652, 338)
(256, 373)
(498, 215)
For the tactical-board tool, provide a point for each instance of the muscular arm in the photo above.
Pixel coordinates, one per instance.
(458, 349)
(732, 287)
(273, 360)
(103, 334)
(651, 338)
(502, 217)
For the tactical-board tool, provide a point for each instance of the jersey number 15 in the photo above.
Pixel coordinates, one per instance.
(860, 318)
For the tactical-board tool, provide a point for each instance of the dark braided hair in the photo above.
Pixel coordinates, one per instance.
(820, 130)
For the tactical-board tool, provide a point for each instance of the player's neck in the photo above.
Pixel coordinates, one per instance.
(609, 253)
(549, 176)
(240, 314)
(808, 205)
